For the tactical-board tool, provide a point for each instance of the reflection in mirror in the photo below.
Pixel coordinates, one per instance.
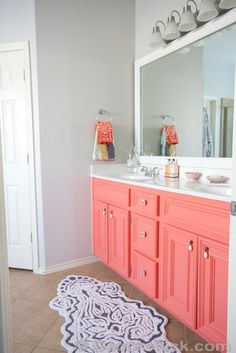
(187, 99)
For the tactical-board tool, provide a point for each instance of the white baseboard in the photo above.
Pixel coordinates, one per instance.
(66, 265)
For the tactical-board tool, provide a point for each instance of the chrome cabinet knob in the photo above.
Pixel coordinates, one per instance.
(190, 246)
(111, 215)
(104, 212)
(143, 274)
(143, 202)
(206, 253)
(143, 234)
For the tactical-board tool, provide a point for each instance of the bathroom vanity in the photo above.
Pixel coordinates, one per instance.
(170, 243)
(171, 239)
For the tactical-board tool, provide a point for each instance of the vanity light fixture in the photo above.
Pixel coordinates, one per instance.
(188, 22)
(227, 4)
(157, 40)
(207, 11)
(171, 31)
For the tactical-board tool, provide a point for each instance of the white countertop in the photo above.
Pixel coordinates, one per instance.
(120, 173)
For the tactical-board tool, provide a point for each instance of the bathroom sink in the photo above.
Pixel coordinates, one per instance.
(135, 177)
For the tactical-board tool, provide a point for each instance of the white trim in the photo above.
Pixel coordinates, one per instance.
(67, 265)
(193, 36)
(231, 337)
(5, 316)
(24, 46)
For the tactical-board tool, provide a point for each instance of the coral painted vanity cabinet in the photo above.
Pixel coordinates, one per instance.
(111, 225)
(174, 247)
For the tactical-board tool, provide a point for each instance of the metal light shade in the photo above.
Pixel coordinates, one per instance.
(171, 31)
(188, 22)
(207, 11)
(227, 4)
(157, 40)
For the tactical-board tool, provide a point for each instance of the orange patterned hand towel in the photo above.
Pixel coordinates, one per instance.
(171, 135)
(104, 132)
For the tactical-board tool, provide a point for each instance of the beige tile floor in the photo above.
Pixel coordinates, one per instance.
(36, 328)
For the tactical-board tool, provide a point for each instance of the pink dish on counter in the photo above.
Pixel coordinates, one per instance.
(193, 175)
(217, 179)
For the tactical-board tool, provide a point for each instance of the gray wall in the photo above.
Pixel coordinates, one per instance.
(85, 62)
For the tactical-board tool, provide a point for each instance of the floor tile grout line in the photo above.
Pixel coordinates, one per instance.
(27, 345)
(37, 345)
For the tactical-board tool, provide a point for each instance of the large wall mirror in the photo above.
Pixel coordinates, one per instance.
(187, 97)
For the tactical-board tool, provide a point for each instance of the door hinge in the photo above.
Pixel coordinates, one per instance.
(28, 158)
(129, 270)
(130, 219)
(24, 75)
(233, 208)
(31, 237)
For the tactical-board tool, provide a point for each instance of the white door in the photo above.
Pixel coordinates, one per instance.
(15, 158)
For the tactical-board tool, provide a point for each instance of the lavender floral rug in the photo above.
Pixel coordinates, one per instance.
(99, 318)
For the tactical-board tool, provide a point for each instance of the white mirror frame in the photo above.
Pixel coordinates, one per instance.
(209, 28)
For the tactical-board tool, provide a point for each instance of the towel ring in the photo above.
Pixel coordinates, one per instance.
(165, 117)
(103, 114)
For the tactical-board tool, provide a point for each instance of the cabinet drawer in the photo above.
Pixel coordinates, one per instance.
(206, 217)
(110, 192)
(145, 203)
(145, 235)
(145, 273)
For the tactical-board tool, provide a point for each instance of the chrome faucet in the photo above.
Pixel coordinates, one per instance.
(151, 172)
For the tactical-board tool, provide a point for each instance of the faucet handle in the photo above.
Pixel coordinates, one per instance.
(143, 168)
(155, 171)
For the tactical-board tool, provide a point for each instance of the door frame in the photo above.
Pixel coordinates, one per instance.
(25, 47)
(5, 316)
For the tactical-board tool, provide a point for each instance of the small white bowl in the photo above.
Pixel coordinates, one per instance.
(217, 179)
(193, 175)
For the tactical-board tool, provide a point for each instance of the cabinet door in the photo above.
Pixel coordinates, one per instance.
(180, 273)
(213, 290)
(118, 239)
(100, 245)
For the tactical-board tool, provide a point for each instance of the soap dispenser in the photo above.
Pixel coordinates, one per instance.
(172, 168)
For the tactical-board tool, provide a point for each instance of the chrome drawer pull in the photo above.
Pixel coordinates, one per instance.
(111, 215)
(143, 234)
(206, 253)
(143, 202)
(143, 274)
(104, 212)
(190, 246)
